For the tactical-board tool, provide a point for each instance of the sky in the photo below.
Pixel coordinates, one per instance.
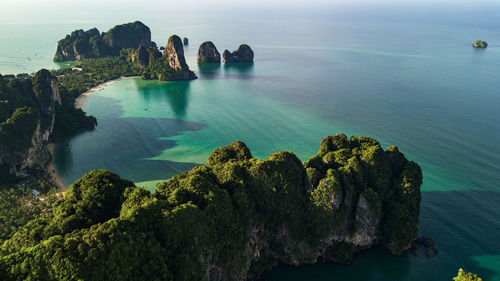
(446, 11)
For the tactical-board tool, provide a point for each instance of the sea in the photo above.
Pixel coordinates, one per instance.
(405, 74)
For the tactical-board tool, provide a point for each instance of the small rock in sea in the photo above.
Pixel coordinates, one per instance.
(185, 41)
(479, 44)
(431, 252)
(414, 250)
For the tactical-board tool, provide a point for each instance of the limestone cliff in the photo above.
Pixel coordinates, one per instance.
(91, 44)
(228, 220)
(208, 53)
(174, 54)
(352, 195)
(33, 153)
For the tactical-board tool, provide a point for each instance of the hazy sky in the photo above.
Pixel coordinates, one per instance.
(42, 11)
(192, 4)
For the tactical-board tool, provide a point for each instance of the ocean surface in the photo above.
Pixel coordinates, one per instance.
(415, 82)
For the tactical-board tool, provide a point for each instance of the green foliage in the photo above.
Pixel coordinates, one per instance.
(42, 89)
(229, 218)
(18, 206)
(16, 132)
(93, 199)
(236, 151)
(328, 194)
(466, 276)
(480, 44)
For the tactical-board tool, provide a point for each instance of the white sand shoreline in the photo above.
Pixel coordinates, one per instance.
(81, 100)
(51, 169)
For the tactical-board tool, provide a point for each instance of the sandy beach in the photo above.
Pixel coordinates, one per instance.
(51, 169)
(81, 100)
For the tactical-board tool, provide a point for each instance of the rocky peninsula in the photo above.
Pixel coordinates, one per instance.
(230, 219)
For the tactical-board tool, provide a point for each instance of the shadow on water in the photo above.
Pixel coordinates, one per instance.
(465, 225)
(451, 219)
(209, 70)
(124, 146)
(176, 94)
(238, 68)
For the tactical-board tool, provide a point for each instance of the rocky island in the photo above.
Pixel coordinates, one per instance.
(243, 54)
(479, 44)
(208, 53)
(230, 219)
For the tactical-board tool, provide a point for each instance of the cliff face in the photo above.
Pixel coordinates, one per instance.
(141, 56)
(130, 35)
(174, 54)
(34, 155)
(91, 44)
(356, 196)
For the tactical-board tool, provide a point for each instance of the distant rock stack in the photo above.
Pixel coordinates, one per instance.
(208, 53)
(243, 54)
(185, 41)
(479, 44)
(174, 53)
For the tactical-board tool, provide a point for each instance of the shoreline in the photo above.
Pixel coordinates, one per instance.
(81, 100)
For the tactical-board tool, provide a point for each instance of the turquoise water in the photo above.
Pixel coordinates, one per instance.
(417, 84)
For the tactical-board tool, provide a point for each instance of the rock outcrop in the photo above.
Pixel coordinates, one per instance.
(208, 53)
(243, 54)
(174, 54)
(32, 128)
(228, 220)
(185, 41)
(91, 44)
